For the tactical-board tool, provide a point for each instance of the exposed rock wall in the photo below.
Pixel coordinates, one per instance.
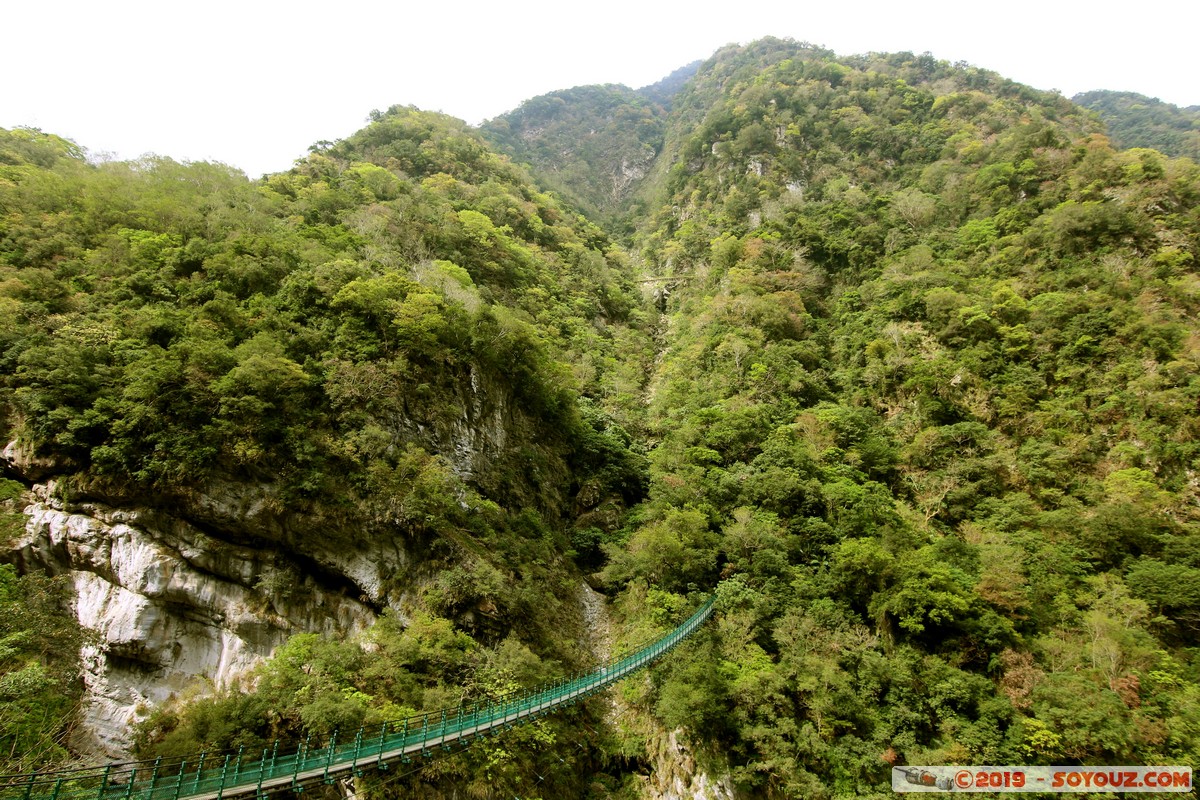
(167, 604)
(196, 589)
(598, 623)
(675, 775)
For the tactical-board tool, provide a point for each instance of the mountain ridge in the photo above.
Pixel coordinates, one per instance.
(1136, 120)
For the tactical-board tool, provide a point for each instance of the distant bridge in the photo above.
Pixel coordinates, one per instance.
(233, 775)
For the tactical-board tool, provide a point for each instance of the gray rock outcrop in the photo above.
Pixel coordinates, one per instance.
(168, 605)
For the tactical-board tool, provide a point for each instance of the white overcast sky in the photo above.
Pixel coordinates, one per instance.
(253, 83)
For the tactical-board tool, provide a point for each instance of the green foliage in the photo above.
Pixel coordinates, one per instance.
(1134, 120)
(591, 143)
(921, 401)
(677, 552)
(928, 379)
(693, 694)
(40, 684)
(187, 322)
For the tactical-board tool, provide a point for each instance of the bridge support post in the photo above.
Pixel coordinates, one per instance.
(329, 756)
(382, 739)
(224, 771)
(199, 769)
(357, 749)
(296, 765)
(153, 777)
(103, 782)
(262, 773)
(178, 782)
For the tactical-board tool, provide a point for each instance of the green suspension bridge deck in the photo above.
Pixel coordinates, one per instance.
(233, 775)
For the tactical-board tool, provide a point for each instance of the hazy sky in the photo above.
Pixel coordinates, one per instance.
(254, 83)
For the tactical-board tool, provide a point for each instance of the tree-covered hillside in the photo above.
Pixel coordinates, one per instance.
(401, 339)
(1134, 120)
(919, 398)
(592, 144)
(927, 415)
(663, 92)
(165, 321)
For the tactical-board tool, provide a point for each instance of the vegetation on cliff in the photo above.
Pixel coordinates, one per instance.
(920, 400)
(336, 335)
(39, 659)
(592, 144)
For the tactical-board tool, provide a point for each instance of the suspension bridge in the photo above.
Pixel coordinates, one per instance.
(241, 774)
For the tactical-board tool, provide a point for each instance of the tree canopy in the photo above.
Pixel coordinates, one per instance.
(898, 356)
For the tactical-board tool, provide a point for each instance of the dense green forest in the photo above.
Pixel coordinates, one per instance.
(918, 395)
(1134, 120)
(928, 409)
(166, 324)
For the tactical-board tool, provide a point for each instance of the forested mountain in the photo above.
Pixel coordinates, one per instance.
(927, 411)
(592, 144)
(663, 92)
(918, 397)
(377, 387)
(1135, 120)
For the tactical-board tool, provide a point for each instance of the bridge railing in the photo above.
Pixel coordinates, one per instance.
(241, 772)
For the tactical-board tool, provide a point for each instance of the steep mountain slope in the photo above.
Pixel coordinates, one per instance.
(927, 409)
(1134, 120)
(346, 394)
(592, 144)
(664, 91)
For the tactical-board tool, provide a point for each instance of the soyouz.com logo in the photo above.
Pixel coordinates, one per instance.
(1042, 779)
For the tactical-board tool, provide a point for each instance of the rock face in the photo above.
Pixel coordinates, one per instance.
(631, 169)
(168, 604)
(675, 776)
(197, 588)
(597, 622)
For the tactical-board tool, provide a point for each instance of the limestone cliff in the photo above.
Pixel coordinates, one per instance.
(190, 591)
(675, 775)
(169, 605)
